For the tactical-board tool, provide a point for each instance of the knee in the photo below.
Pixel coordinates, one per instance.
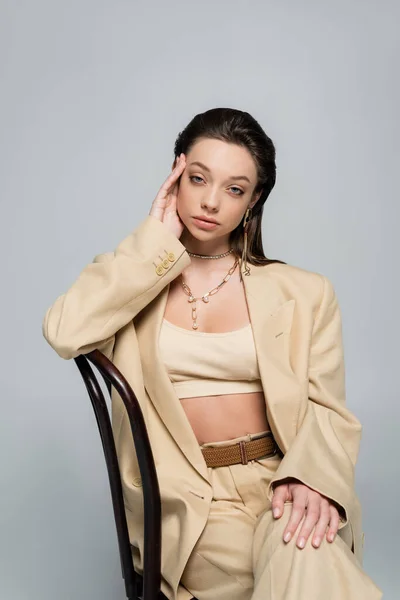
(268, 534)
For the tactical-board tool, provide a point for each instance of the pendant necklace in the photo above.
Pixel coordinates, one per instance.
(206, 297)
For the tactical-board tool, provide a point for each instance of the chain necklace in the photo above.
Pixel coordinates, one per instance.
(210, 255)
(206, 297)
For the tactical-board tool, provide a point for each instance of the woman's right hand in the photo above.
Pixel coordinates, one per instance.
(164, 204)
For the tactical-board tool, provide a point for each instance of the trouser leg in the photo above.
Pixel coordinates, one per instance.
(285, 572)
(241, 554)
(220, 566)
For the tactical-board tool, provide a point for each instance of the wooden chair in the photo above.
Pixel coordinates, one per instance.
(136, 586)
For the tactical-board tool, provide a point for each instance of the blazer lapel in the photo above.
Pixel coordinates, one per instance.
(159, 386)
(271, 315)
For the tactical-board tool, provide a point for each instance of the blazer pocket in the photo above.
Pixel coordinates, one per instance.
(280, 329)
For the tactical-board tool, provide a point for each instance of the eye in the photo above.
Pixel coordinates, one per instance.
(195, 177)
(239, 190)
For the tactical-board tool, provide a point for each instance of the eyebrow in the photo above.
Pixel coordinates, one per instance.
(203, 166)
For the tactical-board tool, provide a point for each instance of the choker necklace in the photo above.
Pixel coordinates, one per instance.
(206, 297)
(210, 255)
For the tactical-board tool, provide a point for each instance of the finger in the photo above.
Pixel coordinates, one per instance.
(175, 173)
(162, 196)
(322, 524)
(179, 158)
(312, 516)
(333, 524)
(298, 510)
(170, 204)
(278, 500)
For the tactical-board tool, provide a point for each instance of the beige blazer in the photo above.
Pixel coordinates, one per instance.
(117, 305)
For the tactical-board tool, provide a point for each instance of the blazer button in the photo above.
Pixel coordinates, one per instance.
(160, 270)
(165, 263)
(171, 256)
(137, 482)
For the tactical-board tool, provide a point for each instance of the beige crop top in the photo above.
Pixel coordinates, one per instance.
(209, 364)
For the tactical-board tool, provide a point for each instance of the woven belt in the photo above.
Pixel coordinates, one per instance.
(241, 452)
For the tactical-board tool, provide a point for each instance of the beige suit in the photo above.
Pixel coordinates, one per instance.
(117, 305)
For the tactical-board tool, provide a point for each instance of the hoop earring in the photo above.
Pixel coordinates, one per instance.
(243, 259)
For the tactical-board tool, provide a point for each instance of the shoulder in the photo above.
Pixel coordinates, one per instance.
(303, 285)
(104, 257)
(295, 276)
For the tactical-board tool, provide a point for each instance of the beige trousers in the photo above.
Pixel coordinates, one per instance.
(241, 554)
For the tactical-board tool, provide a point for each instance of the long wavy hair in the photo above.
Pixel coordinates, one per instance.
(238, 127)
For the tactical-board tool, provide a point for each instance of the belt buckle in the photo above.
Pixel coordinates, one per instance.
(243, 453)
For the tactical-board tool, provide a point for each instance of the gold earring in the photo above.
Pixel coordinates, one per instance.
(243, 259)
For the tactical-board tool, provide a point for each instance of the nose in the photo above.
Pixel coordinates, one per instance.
(210, 202)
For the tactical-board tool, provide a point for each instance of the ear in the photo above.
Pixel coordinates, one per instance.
(255, 199)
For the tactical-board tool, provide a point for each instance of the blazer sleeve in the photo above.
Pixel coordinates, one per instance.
(113, 289)
(324, 452)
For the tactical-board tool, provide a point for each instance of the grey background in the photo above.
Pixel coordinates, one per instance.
(93, 94)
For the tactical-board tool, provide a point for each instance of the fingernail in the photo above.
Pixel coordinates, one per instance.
(287, 536)
(276, 512)
(301, 543)
(316, 542)
(331, 537)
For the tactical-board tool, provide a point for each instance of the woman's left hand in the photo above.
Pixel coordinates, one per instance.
(320, 513)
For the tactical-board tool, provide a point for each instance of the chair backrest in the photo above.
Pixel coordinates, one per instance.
(134, 585)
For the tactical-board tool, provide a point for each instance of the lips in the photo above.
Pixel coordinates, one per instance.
(207, 220)
(205, 224)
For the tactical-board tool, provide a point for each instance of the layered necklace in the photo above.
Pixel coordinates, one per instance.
(206, 297)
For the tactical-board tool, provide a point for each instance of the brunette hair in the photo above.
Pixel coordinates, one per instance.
(238, 127)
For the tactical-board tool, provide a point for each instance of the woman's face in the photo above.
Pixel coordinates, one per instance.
(218, 184)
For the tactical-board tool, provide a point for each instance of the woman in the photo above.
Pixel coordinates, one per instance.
(237, 362)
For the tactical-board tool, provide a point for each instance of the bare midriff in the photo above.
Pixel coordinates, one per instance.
(227, 416)
(218, 418)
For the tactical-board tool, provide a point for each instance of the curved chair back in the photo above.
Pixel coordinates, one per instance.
(148, 587)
